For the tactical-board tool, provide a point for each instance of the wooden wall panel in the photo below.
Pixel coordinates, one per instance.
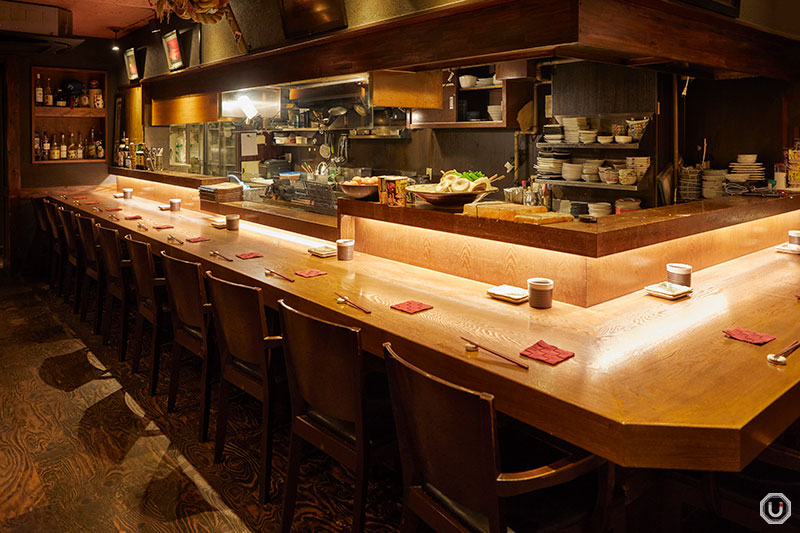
(189, 109)
(407, 89)
(134, 119)
(588, 89)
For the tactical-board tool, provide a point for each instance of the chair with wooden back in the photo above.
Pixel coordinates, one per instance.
(246, 352)
(451, 464)
(43, 238)
(58, 257)
(151, 305)
(116, 271)
(326, 372)
(191, 321)
(93, 267)
(74, 262)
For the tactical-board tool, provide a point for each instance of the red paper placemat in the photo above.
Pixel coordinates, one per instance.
(113, 209)
(133, 217)
(163, 226)
(310, 273)
(412, 307)
(79, 198)
(91, 203)
(746, 335)
(541, 351)
(198, 239)
(249, 255)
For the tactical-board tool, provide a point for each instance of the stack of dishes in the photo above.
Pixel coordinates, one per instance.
(572, 171)
(587, 136)
(624, 205)
(639, 164)
(553, 133)
(484, 82)
(578, 208)
(590, 171)
(689, 184)
(572, 125)
(599, 209)
(712, 183)
(550, 161)
(608, 175)
(746, 165)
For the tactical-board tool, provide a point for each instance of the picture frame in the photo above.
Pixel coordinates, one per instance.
(730, 8)
(302, 18)
(173, 50)
(131, 67)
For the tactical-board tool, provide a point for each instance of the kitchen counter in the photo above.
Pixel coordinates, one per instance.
(168, 177)
(653, 384)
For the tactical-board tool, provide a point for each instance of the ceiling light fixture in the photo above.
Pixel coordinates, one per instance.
(115, 43)
(154, 24)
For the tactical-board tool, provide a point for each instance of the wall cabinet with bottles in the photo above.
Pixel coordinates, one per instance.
(68, 115)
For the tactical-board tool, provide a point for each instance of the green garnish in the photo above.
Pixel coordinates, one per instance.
(472, 175)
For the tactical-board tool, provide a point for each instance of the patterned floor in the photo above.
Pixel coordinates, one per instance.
(83, 447)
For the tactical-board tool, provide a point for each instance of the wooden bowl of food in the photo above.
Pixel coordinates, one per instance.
(429, 193)
(361, 188)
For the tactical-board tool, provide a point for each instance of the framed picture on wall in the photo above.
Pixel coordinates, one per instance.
(172, 49)
(726, 7)
(130, 64)
(307, 17)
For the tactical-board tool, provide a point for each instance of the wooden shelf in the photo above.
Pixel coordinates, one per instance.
(593, 185)
(484, 88)
(66, 112)
(57, 161)
(462, 124)
(589, 146)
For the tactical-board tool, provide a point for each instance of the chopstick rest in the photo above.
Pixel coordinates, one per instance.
(133, 217)
(249, 255)
(163, 226)
(547, 353)
(310, 273)
(198, 239)
(411, 307)
(746, 335)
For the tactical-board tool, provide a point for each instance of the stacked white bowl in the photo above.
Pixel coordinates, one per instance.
(572, 125)
(587, 136)
(713, 181)
(599, 209)
(639, 163)
(590, 170)
(627, 204)
(495, 112)
(553, 133)
(746, 168)
(608, 175)
(572, 171)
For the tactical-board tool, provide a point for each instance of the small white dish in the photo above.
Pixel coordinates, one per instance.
(508, 293)
(667, 290)
(787, 248)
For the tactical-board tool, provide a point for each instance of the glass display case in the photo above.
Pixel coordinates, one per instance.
(221, 149)
(186, 144)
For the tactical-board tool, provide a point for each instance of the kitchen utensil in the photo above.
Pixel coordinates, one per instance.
(498, 354)
(141, 226)
(780, 357)
(351, 303)
(217, 254)
(174, 239)
(270, 271)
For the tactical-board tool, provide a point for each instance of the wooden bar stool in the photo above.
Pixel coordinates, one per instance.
(151, 305)
(93, 268)
(116, 271)
(74, 263)
(330, 409)
(58, 257)
(191, 321)
(451, 464)
(247, 362)
(43, 237)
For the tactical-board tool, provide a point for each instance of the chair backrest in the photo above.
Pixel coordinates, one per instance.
(88, 235)
(67, 219)
(324, 365)
(446, 433)
(144, 268)
(187, 293)
(38, 211)
(111, 252)
(52, 220)
(241, 322)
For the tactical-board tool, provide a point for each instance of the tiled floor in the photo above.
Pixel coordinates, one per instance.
(83, 447)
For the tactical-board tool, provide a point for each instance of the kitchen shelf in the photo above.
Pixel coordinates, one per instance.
(484, 88)
(57, 161)
(461, 124)
(66, 112)
(592, 185)
(592, 146)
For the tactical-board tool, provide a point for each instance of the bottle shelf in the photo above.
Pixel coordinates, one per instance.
(57, 161)
(66, 112)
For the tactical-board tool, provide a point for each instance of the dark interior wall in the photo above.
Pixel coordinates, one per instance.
(93, 54)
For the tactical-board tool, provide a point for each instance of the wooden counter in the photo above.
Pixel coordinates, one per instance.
(610, 235)
(653, 383)
(168, 177)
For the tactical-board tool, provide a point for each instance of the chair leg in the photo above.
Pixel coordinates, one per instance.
(84, 296)
(292, 479)
(205, 400)
(222, 419)
(155, 348)
(66, 280)
(107, 308)
(360, 495)
(123, 341)
(266, 445)
(98, 319)
(138, 341)
(174, 376)
(76, 306)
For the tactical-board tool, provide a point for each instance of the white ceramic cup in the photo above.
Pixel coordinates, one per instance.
(344, 249)
(794, 236)
(127, 193)
(540, 293)
(174, 204)
(679, 274)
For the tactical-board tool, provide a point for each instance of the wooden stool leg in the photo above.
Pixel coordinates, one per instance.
(84, 297)
(266, 445)
(123, 341)
(360, 495)
(222, 419)
(174, 376)
(205, 400)
(108, 307)
(138, 340)
(292, 478)
(155, 347)
(76, 306)
(98, 319)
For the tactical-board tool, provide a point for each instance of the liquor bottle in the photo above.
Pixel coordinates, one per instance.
(91, 148)
(79, 149)
(100, 151)
(55, 149)
(36, 147)
(48, 94)
(45, 146)
(72, 150)
(38, 92)
(84, 99)
(63, 147)
(120, 161)
(61, 99)
(129, 155)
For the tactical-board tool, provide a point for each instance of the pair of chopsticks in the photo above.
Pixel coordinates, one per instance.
(113, 217)
(216, 253)
(270, 271)
(495, 178)
(498, 354)
(174, 239)
(141, 226)
(351, 303)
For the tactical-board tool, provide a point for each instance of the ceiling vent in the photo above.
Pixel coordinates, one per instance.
(35, 29)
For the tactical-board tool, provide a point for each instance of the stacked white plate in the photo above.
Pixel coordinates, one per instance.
(746, 165)
(572, 171)
(572, 125)
(549, 163)
(587, 136)
(553, 138)
(713, 182)
(590, 171)
(639, 164)
(599, 209)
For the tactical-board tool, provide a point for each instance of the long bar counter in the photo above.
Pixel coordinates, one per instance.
(644, 387)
